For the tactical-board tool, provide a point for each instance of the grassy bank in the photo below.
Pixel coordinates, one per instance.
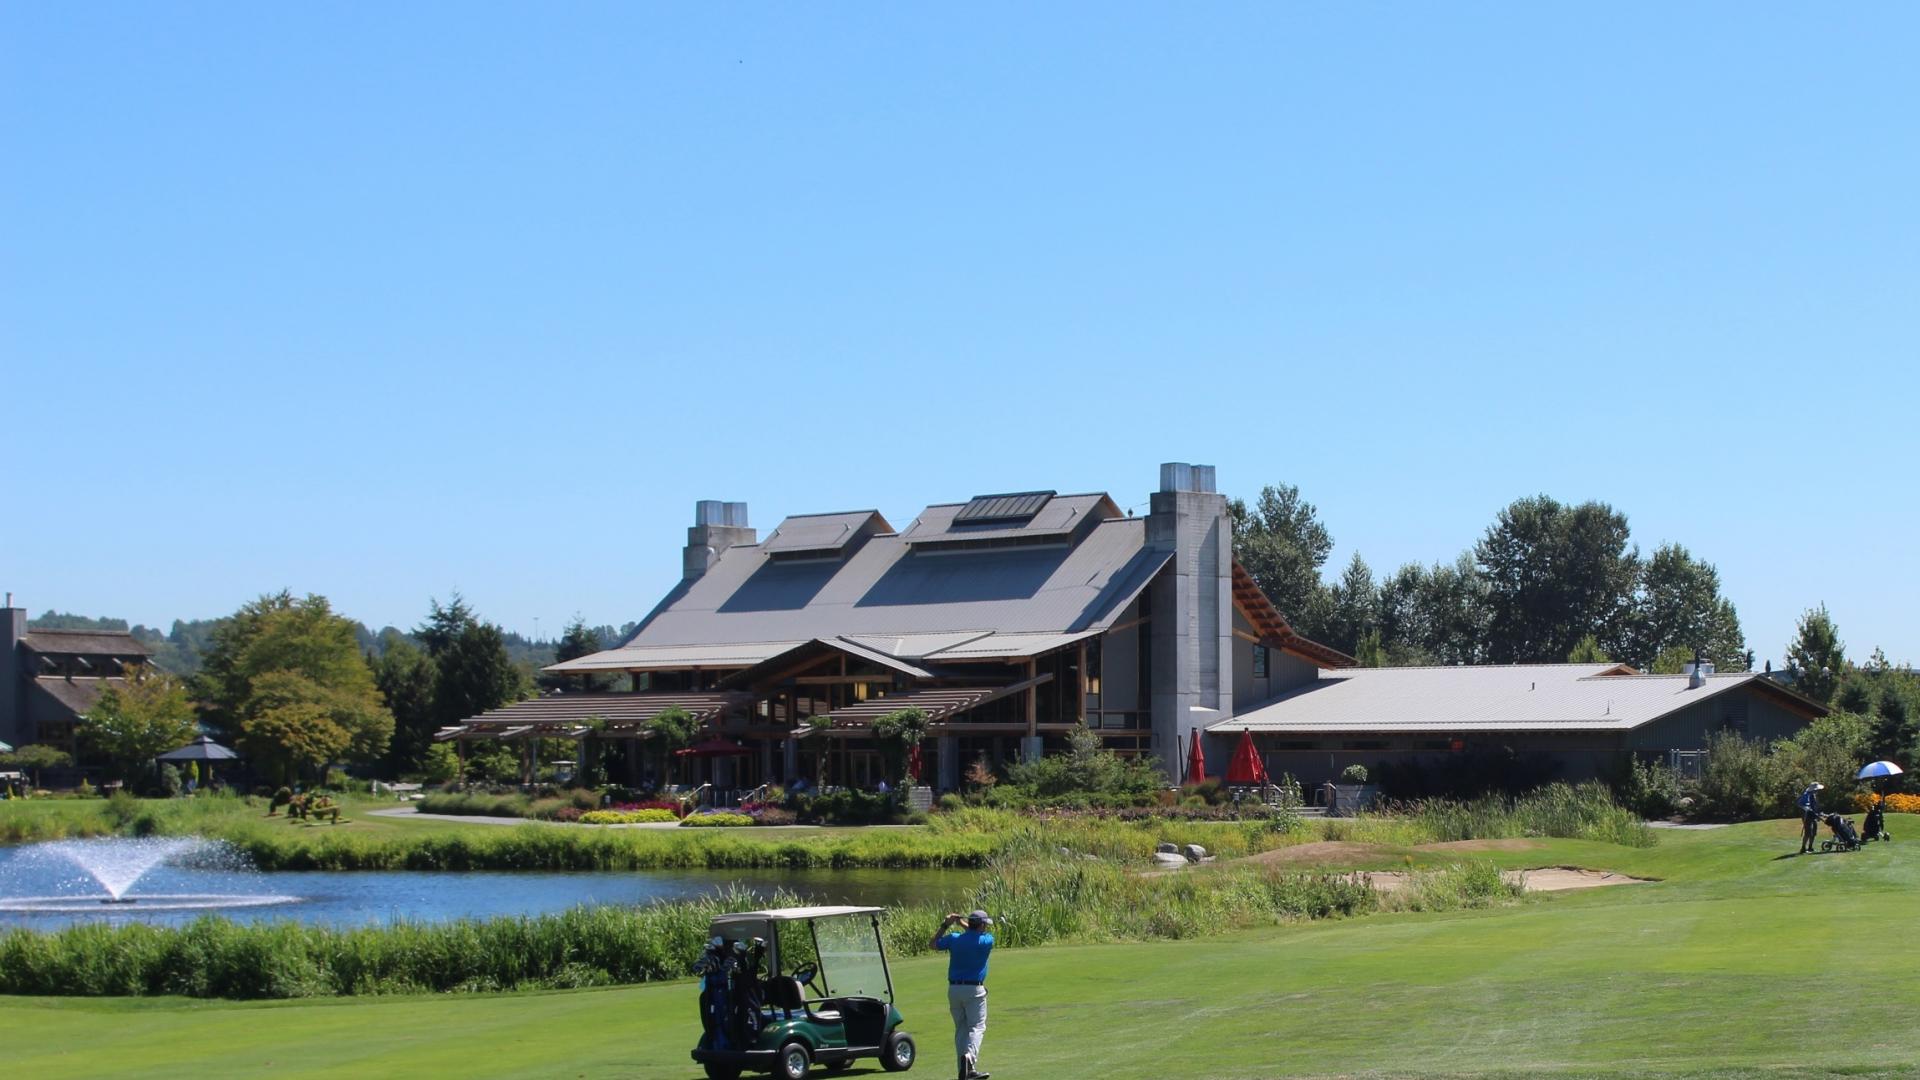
(1720, 971)
(962, 839)
(1038, 902)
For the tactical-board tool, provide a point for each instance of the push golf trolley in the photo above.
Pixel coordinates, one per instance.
(1843, 837)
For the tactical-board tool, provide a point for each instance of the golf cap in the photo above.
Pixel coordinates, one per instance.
(981, 917)
(1816, 787)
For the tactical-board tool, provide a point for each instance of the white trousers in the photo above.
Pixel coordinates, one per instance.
(969, 1007)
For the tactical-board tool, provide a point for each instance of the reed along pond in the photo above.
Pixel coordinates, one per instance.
(50, 886)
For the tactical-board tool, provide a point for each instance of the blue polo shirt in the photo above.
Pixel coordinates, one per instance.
(967, 954)
(1810, 802)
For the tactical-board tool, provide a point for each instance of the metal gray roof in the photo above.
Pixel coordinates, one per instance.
(894, 600)
(1058, 516)
(84, 643)
(824, 534)
(1525, 697)
(1017, 506)
(676, 657)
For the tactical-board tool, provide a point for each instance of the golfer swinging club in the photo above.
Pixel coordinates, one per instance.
(967, 953)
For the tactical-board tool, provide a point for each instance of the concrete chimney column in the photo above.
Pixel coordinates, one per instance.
(717, 526)
(13, 683)
(1191, 631)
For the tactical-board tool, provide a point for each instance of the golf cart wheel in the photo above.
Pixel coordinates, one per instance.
(794, 1062)
(897, 1054)
(717, 1071)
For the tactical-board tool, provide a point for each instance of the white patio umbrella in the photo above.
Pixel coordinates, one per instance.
(5, 749)
(1879, 769)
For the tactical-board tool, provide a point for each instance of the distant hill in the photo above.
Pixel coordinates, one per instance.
(179, 649)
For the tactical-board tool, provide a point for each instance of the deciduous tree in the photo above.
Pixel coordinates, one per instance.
(137, 721)
(674, 730)
(1554, 574)
(291, 669)
(1677, 603)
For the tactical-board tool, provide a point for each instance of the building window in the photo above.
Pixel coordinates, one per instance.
(1259, 661)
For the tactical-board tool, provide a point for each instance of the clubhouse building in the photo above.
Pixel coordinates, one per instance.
(50, 678)
(1009, 619)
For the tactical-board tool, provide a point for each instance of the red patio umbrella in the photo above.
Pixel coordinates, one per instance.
(914, 764)
(713, 748)
(1246, 766)
(1196, 761)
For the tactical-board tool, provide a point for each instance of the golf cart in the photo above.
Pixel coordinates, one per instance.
(785, 989)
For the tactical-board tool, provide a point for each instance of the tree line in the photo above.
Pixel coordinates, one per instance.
(181, 649)
(297, 687)
(1547, 582)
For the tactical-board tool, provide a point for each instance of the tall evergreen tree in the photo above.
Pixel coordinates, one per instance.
(576, 641)
(472, 672)
(1817, 659)
(1283, 545)
(406, 675)
(1354, 608)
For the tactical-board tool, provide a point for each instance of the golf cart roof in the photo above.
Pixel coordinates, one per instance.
(795, 914)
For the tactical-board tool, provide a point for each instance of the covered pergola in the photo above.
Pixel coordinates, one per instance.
(573, 717)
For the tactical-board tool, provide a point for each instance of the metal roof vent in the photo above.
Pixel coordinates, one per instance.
(1180, 476)
(1002, 509)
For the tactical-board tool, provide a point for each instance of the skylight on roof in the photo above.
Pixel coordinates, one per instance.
(1002, 509)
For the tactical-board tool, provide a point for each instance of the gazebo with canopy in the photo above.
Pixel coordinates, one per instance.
(202, 749)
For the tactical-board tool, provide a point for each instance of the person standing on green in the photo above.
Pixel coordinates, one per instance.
(967, 953)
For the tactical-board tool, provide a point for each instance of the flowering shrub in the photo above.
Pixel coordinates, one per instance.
(626, 817)
(722, 819)
(772, 815)
(567, 814)
(649, 804)
(1896, 804)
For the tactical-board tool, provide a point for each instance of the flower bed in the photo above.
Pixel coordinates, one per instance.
(627, 817)
(1896, 804)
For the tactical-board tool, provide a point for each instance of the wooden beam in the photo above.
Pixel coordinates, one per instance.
(1080, 698)
(1033, 700)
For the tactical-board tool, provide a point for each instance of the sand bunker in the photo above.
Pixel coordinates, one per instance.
(1543, 879)
(1512, 843)
(1318, 851)
(1562, 878)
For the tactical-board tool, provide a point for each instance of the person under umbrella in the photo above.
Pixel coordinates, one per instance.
(1880, 772)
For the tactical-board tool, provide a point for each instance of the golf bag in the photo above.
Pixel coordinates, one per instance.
(1844, 838)
(719, 971)
(1875, 827)
(748, 993)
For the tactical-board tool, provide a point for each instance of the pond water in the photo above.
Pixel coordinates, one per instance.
(48, 886)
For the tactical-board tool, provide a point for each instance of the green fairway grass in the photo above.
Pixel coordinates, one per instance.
(1738, 962)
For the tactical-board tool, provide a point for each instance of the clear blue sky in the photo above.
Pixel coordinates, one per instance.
(384, 301)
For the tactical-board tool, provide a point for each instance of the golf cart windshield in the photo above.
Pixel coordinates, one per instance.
(851, 964)
(843, 943)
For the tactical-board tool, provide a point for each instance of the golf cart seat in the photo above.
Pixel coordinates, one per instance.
(786, 993)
